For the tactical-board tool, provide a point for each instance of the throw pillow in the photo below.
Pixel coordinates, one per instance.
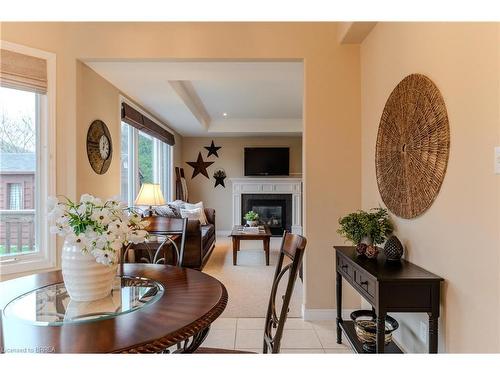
(192, 206)
(168, 210)
(196, 214)
(177, 203)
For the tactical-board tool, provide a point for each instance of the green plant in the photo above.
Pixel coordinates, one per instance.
(374, 224)
(251, 216)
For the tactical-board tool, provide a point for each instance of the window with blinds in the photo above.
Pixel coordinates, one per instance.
(146, 149)
(27, 171)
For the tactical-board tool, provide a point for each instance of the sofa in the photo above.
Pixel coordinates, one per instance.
(200, 241)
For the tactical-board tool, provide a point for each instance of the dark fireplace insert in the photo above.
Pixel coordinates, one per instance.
(275, 210)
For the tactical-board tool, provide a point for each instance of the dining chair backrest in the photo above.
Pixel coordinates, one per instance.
(166, 227)
(292, 248)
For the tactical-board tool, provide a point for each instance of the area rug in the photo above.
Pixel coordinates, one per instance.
(249, 283)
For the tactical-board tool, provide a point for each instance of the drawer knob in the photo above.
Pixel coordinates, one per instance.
(344, 266)
(363, 283)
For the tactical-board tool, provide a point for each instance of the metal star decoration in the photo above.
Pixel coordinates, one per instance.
(200, 166)
(219, 177)
(212, 149)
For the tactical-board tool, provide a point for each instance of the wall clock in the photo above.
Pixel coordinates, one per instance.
(99, 147)
(413, 145)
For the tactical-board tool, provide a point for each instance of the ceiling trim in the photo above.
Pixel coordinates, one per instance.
(187, 93)
(257, 126)
(354, 32)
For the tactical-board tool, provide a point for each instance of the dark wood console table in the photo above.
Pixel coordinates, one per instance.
(388, 287)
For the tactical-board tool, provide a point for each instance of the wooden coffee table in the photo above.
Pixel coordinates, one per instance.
(239, 234)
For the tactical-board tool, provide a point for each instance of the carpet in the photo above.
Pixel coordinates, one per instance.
(249, 283)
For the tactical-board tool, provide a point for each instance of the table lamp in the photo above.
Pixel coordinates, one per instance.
(150, 195)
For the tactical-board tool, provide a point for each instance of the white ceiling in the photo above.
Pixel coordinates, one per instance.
(259, 97)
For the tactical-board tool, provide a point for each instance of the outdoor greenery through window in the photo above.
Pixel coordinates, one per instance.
(144, 159)
(18, 173)
(146, 156)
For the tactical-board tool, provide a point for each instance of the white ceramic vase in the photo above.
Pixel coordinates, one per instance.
(84, 278)
(252, 223)
(77, 310)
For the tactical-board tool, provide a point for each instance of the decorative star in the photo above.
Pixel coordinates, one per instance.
(219, 181)
(219, 176)
(212, 149)
(200, 166)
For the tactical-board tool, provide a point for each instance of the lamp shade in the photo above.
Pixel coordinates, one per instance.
(150, 195)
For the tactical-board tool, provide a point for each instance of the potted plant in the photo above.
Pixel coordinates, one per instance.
(94, 233)
(366, 229)
(252, 218)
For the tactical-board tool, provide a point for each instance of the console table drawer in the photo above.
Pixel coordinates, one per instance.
(345, 268)
(367, 284)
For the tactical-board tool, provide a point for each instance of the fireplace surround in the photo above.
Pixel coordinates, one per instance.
(273, 196)
(275, 210)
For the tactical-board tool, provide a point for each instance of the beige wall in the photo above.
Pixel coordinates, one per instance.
(458, 237)
(99, 99)
(332, 132)
(231, 160)
(96, 99)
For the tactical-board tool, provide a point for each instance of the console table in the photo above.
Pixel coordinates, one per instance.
(388, 287)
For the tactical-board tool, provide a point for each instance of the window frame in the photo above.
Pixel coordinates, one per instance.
(45, 176)
(161, 150)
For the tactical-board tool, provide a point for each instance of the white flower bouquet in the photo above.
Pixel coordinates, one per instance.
(96, 227)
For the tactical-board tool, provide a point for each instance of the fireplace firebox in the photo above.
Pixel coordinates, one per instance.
(275, 210)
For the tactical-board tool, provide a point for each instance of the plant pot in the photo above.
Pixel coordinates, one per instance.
(367, 240)
(252, 223)
(84, 278)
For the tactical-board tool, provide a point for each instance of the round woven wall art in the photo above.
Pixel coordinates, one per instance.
(413, 144)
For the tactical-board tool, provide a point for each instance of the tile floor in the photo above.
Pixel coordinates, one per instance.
(299, 336)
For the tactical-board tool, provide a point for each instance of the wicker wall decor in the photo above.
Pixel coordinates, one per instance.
(413, 144)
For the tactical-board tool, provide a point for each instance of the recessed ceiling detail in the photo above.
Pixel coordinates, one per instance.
(214, 98)
(187, 93)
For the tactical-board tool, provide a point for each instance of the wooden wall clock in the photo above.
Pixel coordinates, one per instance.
(413, 145)
(99, 147)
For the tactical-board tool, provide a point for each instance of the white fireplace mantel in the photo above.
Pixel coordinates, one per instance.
(269, 185)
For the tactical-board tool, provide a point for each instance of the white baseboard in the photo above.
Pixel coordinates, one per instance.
(222, 233)
(324, 314)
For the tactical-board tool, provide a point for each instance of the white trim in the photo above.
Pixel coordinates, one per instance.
(268, 185)
(186, 92)
(45, 257)
(325, 314)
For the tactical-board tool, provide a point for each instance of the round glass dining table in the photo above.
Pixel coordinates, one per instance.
(151, 308)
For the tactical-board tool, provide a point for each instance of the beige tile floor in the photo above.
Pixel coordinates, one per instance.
(299, 336)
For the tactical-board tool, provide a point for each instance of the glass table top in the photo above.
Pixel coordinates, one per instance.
(52, 306)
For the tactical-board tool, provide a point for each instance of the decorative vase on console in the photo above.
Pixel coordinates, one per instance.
(393, 249)
(95, 233)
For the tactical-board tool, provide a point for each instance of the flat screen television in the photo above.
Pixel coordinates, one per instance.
(267, 161)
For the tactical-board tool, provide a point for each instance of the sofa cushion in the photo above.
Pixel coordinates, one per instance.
(196, 214)
(194, 206)
(207, 231)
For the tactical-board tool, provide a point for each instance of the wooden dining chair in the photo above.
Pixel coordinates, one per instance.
(173, 232)
(292, 248)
